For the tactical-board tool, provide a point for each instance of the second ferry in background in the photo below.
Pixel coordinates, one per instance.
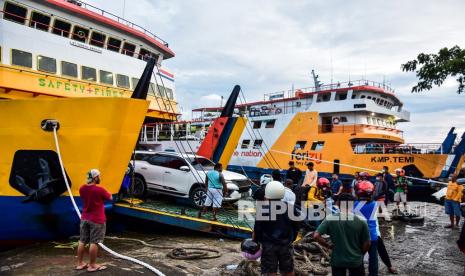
(342, 127)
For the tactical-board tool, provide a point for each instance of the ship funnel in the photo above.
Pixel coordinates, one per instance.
(142, 88)
(228, 109)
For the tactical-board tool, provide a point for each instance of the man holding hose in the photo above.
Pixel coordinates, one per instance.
(92, 228)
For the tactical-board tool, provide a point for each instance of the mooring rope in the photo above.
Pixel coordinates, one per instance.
(360, 168)
(116, 254)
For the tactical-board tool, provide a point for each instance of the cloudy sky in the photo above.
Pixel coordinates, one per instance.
(268, 46)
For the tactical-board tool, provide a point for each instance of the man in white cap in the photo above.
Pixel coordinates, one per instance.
(92, 228)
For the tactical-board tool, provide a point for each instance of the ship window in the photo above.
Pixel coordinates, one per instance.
(362, 97)
(169, 93)
(88, 73)
(379, 121)
(69, 69)
(257, 124)
(135, 81)
(270, 123)
(354, 96)
(21, 58)
(46, 64)
(61, 28)
(114, 44)
(245, 143)
(142, 53)
(369, 97)
(368, 120)
(128, 49)
(122, 81)
(97, 39)
(40, 21)
(318, 145)
(341, 96)
(14, 13)
(152, 89)
(106, 77)
(161, 91)
(80, 33)
(257, 143)
(343, 119)
(300, 145)
(323, 97)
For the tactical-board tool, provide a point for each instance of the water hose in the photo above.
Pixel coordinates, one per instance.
(117, 255)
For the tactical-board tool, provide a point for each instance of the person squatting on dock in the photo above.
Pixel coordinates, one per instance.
(276, 231)
(92, 227)
(216, 188)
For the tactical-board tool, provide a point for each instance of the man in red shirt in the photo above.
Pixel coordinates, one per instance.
(92, 228)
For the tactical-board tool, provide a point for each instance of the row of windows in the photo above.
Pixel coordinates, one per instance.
(326, 97)
(316, 145)
(256, 144)
(380, 122)
(41, 21)
(268, 124)
(299, 145)
(68, 69)
(379, 101)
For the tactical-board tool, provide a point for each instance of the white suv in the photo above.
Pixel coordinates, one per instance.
(181, 175)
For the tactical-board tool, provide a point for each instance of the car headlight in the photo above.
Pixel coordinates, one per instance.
(232, 187)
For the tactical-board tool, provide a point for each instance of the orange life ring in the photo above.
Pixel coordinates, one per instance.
(336, 120)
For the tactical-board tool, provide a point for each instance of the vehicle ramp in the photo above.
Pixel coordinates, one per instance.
(179, 215)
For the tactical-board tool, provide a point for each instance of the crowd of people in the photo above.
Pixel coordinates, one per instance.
(349, 239)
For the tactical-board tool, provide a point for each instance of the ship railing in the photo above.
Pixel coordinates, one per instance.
(118, 19)
(66, 33)
(172, 131)
(293, 92)
(393, 148)
(359, 128)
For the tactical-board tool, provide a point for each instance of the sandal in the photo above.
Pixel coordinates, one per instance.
(99, 268)
(392, 271)
(81, 267)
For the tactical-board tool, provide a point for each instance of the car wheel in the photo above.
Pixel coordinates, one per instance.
(139, 187)
(197, 196)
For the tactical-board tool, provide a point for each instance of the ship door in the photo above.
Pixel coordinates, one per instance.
(336, 166)
(327, 124)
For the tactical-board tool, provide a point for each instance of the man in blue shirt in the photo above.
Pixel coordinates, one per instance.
(335, 184)
(367, 207)
(216, 188)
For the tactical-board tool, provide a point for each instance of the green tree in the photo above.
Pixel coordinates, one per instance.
(433, 69)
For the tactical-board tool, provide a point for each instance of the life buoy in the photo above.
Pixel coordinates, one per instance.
(336, 120)
(278, 111)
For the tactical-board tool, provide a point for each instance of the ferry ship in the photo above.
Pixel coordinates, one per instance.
(342, 128)
(59, 48)
(74, 63)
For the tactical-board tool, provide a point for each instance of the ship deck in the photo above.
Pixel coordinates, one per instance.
(182, 215)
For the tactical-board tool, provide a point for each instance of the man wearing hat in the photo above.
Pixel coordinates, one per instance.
(92, 228)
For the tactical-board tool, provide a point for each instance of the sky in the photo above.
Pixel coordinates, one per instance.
(269, 46)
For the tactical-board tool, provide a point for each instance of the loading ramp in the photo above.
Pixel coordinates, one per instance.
(181, 215)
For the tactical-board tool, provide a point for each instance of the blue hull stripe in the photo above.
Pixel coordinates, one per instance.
(34, 221)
